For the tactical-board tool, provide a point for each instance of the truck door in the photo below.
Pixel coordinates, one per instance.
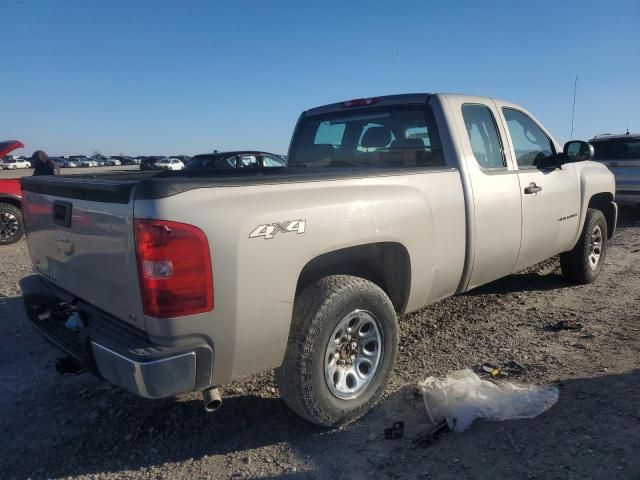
(549, 196)
(494, 229)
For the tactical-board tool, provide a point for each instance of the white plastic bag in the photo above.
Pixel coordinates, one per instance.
(462, 397)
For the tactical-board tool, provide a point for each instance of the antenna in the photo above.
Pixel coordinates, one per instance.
(573, 109)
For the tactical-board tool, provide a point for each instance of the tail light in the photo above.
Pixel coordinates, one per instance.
(174, 266)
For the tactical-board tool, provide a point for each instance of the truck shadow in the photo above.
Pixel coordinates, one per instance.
(116, 432)
(523, 282)
(79, 426)
(532, 280)
(628, 217)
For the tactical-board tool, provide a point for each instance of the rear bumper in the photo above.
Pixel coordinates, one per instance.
(110, 348)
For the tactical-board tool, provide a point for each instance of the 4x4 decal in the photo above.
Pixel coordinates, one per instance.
(269, 230)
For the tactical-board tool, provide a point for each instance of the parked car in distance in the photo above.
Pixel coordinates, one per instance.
(169, 164)
(103, 160)
(78, 160)
(14, 163)
(11, 225)
(89, 162)
(66, 162)
(386, 205)
(621, 153)
(233, 160)
(148, 163)
(124, 160)
(61, 162)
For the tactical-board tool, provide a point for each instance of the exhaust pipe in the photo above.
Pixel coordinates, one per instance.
(211, 398)
(68, 365)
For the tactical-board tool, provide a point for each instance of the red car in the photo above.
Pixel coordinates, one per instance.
(11, 227)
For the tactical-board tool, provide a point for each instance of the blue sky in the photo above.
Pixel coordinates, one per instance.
(159, 77)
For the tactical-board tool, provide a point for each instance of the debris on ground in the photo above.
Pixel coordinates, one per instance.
(564, 325)
(491, 370)
(463, 396)
(508, 369)
(431, 435)
(395, 431)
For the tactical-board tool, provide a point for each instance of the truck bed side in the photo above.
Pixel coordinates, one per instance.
(255, 279)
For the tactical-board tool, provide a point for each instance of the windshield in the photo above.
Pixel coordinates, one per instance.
(617, 149)
(404, 136)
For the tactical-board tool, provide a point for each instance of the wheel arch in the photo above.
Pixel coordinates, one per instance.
(11, 200)
(604, 202)
(387, 264)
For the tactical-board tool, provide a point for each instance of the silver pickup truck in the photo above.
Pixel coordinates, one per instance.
(172, 282)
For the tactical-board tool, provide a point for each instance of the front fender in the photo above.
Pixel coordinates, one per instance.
(594, 179)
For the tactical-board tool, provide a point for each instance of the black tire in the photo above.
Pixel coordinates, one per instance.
(10, 232)
(317, 312)
(578, 265)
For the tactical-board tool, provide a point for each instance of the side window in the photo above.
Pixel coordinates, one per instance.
(272, 161)
(530, 143)
(248, 161)
(483, 136)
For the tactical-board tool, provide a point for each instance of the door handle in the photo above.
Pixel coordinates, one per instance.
(532, 188)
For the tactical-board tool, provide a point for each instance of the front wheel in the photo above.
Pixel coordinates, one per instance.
(584, 263)
(342, 347)
(11, 229)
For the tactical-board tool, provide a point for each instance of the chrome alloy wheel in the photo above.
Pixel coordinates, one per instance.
(9, 225)
(596, 247)
(353, 354)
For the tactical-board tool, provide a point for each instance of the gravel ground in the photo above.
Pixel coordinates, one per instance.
(80, 427)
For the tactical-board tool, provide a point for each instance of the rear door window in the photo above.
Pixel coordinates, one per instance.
(483, 136)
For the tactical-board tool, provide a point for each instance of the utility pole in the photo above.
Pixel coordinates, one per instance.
(573, 109)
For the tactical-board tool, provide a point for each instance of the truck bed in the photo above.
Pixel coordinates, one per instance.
(121, 187)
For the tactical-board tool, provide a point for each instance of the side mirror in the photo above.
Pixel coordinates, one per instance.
(578, 151)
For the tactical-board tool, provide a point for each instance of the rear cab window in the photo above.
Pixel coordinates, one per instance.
(391, 136)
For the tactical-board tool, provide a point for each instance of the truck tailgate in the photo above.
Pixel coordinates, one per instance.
(85, 245)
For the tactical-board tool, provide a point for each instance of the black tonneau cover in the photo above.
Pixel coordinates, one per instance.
(121, 187)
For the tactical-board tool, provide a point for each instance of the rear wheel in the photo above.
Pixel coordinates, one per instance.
(341, 350)
(11, 228)
(584, 262)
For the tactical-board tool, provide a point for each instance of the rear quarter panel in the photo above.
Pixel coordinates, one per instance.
(255, 279)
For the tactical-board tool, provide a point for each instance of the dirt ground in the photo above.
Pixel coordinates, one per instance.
(80, 427)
